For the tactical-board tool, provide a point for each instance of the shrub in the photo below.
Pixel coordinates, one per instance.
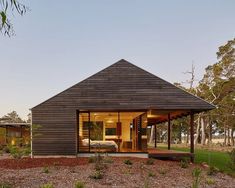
(107, 159)
(18, 152)
(47, 185)
(5, 185)
(150, 161)
(100, 166)
(6, 149)
(151, 174)
(1, 147)
(91, 159)
(232, 159)
(210, 181)
(146, 183)
(162, 171)
(212, 171)
(96, 175)
(184, 163)
(196, 177)
(45, 170)
(79, 184)
(128, 162)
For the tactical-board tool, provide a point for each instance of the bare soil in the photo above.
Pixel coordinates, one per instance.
(64, 172)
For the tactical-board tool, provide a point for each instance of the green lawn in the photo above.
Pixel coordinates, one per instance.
(213, 158)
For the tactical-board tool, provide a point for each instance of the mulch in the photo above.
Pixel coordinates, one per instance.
(25, 163)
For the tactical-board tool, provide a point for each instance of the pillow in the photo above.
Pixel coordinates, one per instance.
(85, 141)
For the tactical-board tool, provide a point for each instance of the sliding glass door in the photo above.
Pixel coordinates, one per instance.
(111, 131)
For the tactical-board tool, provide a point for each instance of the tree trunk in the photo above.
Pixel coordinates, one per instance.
(203, 130)
(187, 137)
(229, 144)
(232, 138)
(197, 130)
(180, 134)
(151, 135)
(225, 136)
(210, 131)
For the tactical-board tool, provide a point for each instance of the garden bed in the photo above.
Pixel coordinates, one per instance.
(117, 172)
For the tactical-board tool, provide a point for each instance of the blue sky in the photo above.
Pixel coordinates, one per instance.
(59, 43)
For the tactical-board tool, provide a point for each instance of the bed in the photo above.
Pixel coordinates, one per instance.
(101, 145)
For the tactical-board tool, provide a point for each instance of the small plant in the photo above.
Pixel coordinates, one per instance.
(210, 181)
(5, 185)
(91, 159)
(100, 166)
(151, 174)
(45, 170)
(146, 183)
(18, 152)
(232, 159)
(212, 170)
(128, 162)
(150, 161)
(184, 163)
(107, 159)
(96, 175)
(196, 177)
(128, 171)
(47, 185)
(162, 171)
(6, 149)
(79, 184)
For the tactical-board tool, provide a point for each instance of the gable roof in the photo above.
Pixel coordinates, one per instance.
(124, 86)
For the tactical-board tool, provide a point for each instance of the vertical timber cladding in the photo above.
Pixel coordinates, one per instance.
(121, 86)
(54, 131)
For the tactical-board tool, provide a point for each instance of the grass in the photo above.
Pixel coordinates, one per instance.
(217, 159)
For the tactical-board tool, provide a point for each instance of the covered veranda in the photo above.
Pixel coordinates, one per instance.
(129, 132)
(166, 116)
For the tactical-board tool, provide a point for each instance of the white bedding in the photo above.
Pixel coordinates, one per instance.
(100, 143)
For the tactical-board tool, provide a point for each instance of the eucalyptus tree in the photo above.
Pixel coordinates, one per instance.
(218, 87)
(7, 10)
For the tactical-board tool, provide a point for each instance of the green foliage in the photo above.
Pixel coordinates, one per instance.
(151, 174)
(91, 159)
(79, 184)
(184, 163)
(210, 181)
(5, 185)
(107, 159)
(196, 173)
(12, 117)
(162, 171)
(18, 152)
(9, 7)
(217, 159)
(96, 175)
(6, 149)
(231, 163)
(47, 185)
(146, 183)
(45, 170)
(212, 170)
(150, 161)
(128, 162)
(100, 165)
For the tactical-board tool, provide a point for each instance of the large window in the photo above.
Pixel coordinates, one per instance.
(108, 131)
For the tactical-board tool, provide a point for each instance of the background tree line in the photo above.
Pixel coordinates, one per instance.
(217, 87)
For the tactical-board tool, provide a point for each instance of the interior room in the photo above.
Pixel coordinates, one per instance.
(112, 132)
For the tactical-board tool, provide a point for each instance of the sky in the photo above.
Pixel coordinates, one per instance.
(59, 43)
